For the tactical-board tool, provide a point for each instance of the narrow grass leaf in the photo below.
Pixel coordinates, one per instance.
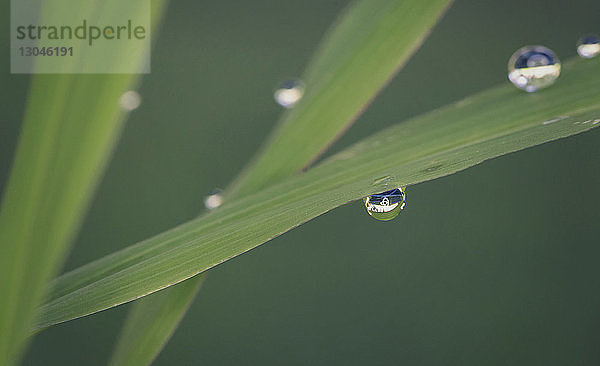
(489, 124)
(70, 127)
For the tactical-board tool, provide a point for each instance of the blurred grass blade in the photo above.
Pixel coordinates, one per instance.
(361, 53)
(61, 154)
(486, 125)
(71, 125)
(363, 50)
(151, 322)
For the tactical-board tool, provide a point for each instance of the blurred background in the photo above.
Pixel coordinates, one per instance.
(495, 265)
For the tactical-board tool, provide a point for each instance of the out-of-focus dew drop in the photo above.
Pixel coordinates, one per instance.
(130, 100)
(289, 93)
(213, 200)
(588, 46)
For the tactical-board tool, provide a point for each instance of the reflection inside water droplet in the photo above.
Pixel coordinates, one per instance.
(589, 46)
(532, 68)
(213, 200)
(289, 93)
(385, 205)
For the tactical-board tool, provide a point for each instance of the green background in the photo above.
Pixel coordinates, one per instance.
(494, 265)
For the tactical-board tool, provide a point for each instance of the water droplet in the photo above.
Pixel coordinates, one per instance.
(289, 93)
(130, 100)
(588, 46)
(213, 200)
(532, 68)
(386, 205)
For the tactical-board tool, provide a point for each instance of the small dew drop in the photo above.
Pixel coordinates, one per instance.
(588, 46)
(386, 205)
(213, 200)
(130, 100)
(532, 68)
(289, 93)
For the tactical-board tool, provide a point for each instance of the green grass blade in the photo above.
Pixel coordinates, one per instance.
(368, 45)
(151, 322)
(70, 127)
(58, 163)
(370, 35)
(487, 125)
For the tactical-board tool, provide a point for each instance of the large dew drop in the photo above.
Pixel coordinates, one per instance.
(289, 93)
(589, 46)
(532, 68)
(386, 205)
